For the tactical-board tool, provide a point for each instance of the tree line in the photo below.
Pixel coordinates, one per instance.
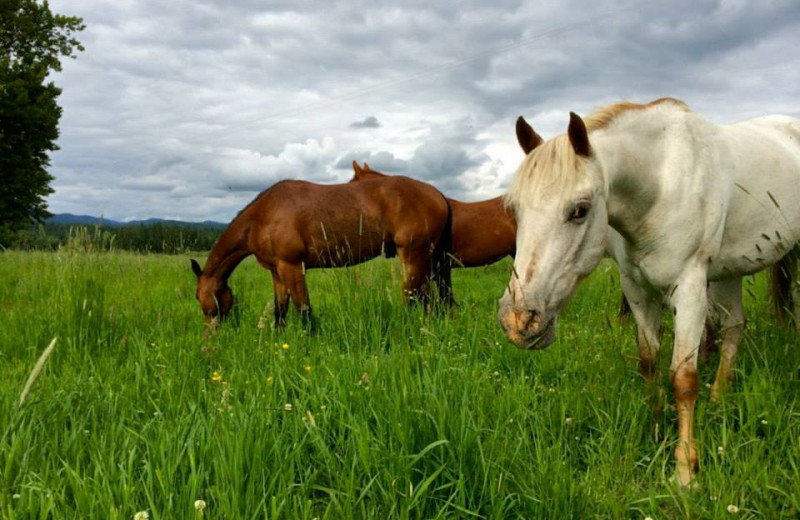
(143, 238)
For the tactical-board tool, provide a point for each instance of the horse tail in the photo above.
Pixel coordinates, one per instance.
(780, 286)
(442, 259)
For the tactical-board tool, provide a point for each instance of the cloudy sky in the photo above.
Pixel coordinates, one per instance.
(187, 109)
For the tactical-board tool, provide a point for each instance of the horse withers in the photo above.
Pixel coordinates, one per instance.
(698, 206)
(298, 225)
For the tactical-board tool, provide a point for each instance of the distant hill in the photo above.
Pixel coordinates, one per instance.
(86, 220)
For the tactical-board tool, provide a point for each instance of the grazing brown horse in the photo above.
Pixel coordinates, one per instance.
(483, 232)
(298, 225)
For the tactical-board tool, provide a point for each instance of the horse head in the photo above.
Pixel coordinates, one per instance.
(365, 173)
(214, 295)
(557, 196)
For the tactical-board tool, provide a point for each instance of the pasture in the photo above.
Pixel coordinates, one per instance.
(385, 413)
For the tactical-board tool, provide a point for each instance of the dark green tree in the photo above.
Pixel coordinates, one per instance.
(32, 42)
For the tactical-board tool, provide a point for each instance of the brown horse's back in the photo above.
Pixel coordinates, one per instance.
(483, 232)
(343, 224)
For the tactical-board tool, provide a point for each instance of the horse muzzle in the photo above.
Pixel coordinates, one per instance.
(527, 328)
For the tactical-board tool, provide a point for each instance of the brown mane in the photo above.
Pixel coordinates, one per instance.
(604, 116)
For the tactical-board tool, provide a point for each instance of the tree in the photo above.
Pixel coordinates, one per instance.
(33, 40)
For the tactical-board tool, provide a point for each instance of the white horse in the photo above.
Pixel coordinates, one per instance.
(698, 206)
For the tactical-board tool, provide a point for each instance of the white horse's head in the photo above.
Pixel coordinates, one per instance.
(558, 196)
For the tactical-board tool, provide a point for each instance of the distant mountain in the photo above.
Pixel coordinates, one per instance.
(86, 220)
(80, 220)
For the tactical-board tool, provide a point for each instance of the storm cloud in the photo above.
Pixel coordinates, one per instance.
(369, 122)
(186, 109)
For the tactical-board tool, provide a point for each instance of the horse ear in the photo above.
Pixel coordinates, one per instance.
(357, 169)
(366, 167)
(196, 268)
(527, 137)
(578, 135)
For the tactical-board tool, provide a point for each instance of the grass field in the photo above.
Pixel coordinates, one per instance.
(385, 413)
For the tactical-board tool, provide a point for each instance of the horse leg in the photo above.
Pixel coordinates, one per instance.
(443, 280)
(784, 288)
(294, 277)
(709, 344)
(794, 290)
(281, 299)
(728, 298)
(442, 268)
(415, 275)
(689, 303)
(646, 310)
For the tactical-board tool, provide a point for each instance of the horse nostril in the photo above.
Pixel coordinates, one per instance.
(526, 318)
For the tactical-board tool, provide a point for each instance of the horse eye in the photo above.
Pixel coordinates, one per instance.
(579, 212)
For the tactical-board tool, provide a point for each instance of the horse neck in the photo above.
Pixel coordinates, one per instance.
(631, 167)
(231, 248)
(368, 176)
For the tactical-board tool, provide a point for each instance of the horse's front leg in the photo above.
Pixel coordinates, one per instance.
(281, 299)
(294, 278)
(416, 273)
(689, 303)
(646, 307)
(727, 296)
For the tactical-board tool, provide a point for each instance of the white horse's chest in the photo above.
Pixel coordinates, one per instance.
(659, 254)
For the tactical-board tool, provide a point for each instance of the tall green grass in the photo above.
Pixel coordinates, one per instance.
(384, 413)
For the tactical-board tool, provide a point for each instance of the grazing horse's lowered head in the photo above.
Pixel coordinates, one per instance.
(558, 197)
(214, 295)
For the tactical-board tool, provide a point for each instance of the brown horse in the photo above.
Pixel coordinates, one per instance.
(483, 232)
(298, 225)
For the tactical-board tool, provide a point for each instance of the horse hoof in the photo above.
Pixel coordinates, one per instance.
(717, 391)
(685, 483)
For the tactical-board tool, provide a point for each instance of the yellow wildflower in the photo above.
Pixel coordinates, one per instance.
(309, 368)
(270, 379)
(285, 346)
(216, 377)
